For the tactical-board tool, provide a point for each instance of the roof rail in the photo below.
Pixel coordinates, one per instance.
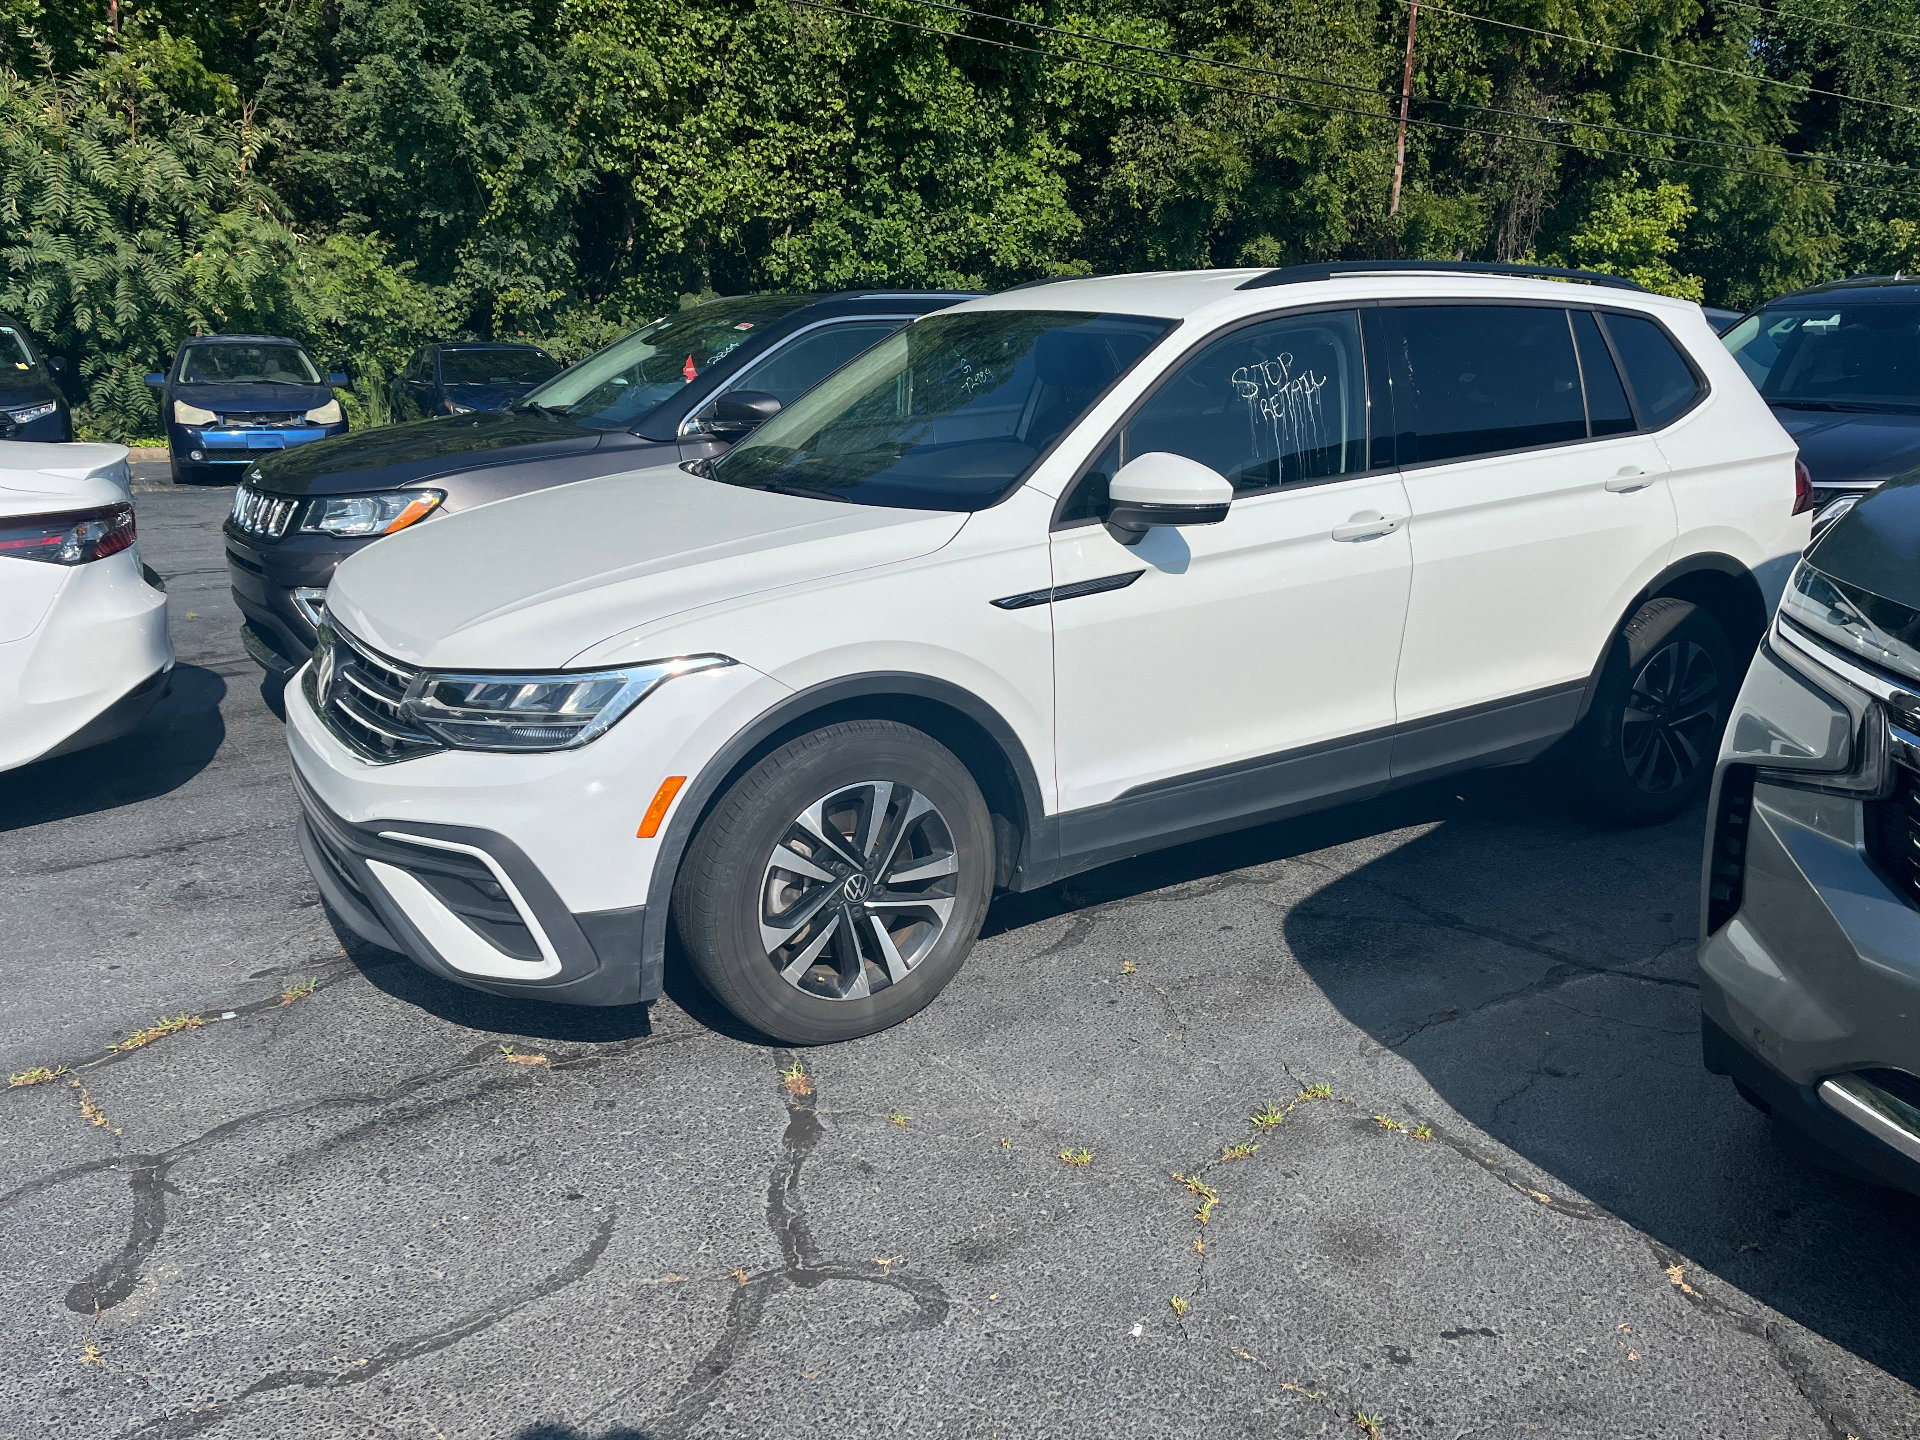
(1327, 269)
(1051, 280)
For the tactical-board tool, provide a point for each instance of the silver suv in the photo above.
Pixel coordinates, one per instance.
(1811, 911)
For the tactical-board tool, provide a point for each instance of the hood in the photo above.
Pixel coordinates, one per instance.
(26, 387)
(1876, 545)
(533, 582)
(35, 479)
(242, 397)
(398, 455)
(486, 397)
(1853, 449)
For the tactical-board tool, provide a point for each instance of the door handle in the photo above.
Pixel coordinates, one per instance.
(1629, 479)
(1368, 525)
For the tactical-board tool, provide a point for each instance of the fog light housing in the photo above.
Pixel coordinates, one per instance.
(196, 454)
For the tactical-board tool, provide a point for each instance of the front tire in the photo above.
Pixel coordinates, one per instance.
(1646, 750)
(838, 885)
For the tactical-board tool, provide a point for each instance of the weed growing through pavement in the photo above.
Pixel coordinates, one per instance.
(1268, 1116)
(90, 1353)
(38, 1075)
(91, 1112)
(1209, 1197)
(1367, 1425)
(795, 1082)
(1317, 1092)
(300, 991)
(896, 1118)
(1006, 1142)
(1079, 1159)
(531, 1057)
(166, 1025)
(1127, 967)
(1238, 1152)
(1387, 1122)
(1423, 1132)
(1180, 1307)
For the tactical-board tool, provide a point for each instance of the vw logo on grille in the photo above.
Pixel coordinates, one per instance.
(324, 659)
(858, 888)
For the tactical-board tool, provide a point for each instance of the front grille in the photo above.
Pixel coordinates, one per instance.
(257, 513)
(1893, 832)
(264, 420)
(358, 693)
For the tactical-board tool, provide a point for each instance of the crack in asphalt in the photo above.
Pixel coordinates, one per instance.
(1840, 1422)
(803, 1267)
(154, 851)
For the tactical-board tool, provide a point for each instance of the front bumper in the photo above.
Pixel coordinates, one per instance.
(264, 576)
(1810, 965)
(517, 874)
(221, 455)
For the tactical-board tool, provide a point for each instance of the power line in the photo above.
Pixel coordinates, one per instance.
(1879, 30)
(1667, 59)
(1360, 89)
(1374, 116)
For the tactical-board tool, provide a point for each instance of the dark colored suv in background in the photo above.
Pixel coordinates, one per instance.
(454, 378)
(1810, 950)
(685, 387)
(31, 405)
(229, 399)
(1840, 365)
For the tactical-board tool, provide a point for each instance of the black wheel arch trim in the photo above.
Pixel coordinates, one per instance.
(798, 712)
(1706, 562)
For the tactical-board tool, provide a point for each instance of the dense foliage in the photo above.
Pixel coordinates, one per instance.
(366, 174)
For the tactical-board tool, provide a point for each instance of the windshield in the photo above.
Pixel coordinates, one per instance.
(1833, 355)
(618, 385)
(948, 414)
(496, 367)
(15, 354)
(228, 364)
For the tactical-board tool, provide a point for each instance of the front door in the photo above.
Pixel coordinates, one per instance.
(1218, 671)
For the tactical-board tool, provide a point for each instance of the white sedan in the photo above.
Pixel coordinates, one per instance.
(84, 651)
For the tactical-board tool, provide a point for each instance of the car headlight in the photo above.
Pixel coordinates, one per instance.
(192, 414)
(361, 515)
(1854, 621)
(33, 412)
(536, 712)
(327, 414)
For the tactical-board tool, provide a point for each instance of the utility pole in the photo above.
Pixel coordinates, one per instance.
(1406, 94)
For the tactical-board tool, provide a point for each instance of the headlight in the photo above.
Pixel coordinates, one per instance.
(192, 414)
(359, 515)
(33, 412)
(1854, 621)
(327, 414)
(536, 712)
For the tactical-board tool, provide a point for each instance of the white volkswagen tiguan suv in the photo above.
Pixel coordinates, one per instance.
(1045, 580)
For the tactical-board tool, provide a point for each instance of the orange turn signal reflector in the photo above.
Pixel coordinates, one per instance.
(416, 510)
(657, 811)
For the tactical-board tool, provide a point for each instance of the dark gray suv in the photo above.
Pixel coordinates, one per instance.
(1810, 952)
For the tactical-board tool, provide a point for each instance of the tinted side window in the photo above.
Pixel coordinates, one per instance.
(1274, 404)
(799, 366)
(1608, 412)
(1485, 378)
(1662, 382)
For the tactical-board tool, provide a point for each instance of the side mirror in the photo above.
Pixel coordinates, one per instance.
(56, 364)
(157, 379)
(338, 379)
(1160, 488)
(739, 411)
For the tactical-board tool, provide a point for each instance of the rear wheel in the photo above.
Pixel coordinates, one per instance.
(838, 885)
(1646, 749)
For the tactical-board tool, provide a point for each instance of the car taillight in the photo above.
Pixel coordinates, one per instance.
(1802, 487)
(71, 538)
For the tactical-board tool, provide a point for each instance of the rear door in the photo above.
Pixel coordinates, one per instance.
(1540, 507)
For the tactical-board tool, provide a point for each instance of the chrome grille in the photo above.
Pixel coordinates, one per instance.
(358, 693)
(260, 514)
(264, 420)
(1893, 831)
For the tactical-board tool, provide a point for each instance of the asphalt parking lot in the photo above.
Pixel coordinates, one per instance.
(344, 1204)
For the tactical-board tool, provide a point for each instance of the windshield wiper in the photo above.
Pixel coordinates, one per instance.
(541, 410)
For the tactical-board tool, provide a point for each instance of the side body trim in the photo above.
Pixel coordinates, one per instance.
(1073, 591)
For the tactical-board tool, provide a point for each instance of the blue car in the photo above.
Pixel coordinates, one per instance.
(453, 379)
(229, 399)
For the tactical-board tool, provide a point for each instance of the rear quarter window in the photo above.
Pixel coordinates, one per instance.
(1662, 381)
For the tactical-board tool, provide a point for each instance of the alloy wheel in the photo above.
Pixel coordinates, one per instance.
(858, 890)
(1672, 717)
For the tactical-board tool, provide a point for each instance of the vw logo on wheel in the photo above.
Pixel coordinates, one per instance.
(858, 888)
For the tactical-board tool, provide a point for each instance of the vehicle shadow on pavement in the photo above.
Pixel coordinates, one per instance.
(173, 744)
(1537, 970)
